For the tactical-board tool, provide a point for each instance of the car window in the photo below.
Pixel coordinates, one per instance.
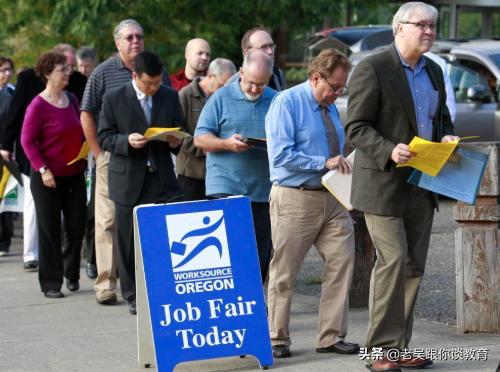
(462, 78)
(496, 59)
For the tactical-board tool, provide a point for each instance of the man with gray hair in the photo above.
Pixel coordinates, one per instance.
(395, 95)
(111, 74)
(233, 114)
(191, 160)
(86, 60)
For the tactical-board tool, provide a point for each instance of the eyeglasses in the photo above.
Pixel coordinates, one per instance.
(422, 25)
(131, 37)
(338, 90)
(265, 47)
(252, 84)
(66, 68)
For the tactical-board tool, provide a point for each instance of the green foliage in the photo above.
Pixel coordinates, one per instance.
(33, 26)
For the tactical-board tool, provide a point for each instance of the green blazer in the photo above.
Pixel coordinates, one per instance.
(380, 114)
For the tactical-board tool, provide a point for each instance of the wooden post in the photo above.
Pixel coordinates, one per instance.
(477, 253)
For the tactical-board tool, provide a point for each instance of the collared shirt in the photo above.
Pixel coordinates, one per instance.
(179, 80)
(425, 97)
(245, 173)
(297, 141)
(141, 96)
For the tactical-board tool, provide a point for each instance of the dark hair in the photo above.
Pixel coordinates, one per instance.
(149, 63)
(86, 53)
(327, 62)
(47, 62)
(6, 59)
(246, 37)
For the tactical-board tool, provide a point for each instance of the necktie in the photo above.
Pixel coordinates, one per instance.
(331, 133)
(146, 108)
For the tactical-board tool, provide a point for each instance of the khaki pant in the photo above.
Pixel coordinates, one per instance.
(299, 219)
(105, 245)
(401, 244)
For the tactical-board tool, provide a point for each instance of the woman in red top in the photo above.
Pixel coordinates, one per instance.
(51, 137)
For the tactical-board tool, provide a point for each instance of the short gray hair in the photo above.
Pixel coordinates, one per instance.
(258, 56)
(408, 9)
(124, 24)
(219, 66)
(63, 48)
(86, 53)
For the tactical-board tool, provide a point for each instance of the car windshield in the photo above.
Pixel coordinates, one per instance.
(496, 59)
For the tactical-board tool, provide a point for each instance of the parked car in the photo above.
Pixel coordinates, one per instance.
(474, 70)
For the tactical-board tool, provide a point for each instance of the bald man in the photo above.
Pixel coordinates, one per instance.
(197, 56)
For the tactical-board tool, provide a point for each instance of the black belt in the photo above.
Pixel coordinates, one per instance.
(308, 188)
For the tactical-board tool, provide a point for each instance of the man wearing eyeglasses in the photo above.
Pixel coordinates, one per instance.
(258, 38)
(305, 140)
(234, 113)
(197, 56)
(111, 74)
(395, 95)
(190, 161)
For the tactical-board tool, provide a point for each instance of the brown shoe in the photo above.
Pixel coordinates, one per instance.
(414, 362)
(384, 365)
(106, 297)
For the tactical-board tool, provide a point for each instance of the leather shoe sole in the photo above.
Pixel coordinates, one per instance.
(415, 363)
(341, 347)
(281, 351)
(54, 294)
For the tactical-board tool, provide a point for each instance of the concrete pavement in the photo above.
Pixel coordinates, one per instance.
(76, 334)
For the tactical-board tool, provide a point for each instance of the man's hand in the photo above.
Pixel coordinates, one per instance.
(137, 141)
(173, 142)
(449, 138)
(235, 144)
(6, 155)
(48, 179)
(340, 163)
(401, 153)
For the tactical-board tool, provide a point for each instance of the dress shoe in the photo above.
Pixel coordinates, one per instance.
(383, 365)
(72, 285)
(341, 347)
(414, 362)
(52, 293)
(106, 297)
(91, 271)
(30, 265)
(281, 351)
(132, 308)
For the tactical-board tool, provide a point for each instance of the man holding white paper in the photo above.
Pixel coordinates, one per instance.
(305, 140)
(140, 171)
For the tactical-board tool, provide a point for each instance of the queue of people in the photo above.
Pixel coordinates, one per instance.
(394, 95)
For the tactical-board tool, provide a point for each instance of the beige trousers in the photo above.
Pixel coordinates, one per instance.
(401, 244)
(300, 219)
(105, 245)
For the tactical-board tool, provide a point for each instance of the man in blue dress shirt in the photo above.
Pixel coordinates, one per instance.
(305, 140)
(232, 114)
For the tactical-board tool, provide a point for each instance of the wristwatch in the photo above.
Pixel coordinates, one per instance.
(43, 169)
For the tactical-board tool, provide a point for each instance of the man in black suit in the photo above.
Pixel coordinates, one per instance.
(139, 171)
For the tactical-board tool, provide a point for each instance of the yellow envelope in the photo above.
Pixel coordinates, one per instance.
(430, 157)
(84, 151)
(160, 134)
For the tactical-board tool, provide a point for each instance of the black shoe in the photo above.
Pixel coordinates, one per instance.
(341, 347)
(281, 351)
(52, 293)
(73, 285)
(30, 266)
(91, 271)
(132, 308)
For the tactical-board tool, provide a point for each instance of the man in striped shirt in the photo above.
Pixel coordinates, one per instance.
(111, 74)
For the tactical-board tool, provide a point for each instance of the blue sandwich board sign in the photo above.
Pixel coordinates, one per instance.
(202, 281)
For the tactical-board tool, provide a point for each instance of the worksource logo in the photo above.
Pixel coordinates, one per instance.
(199, 252)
